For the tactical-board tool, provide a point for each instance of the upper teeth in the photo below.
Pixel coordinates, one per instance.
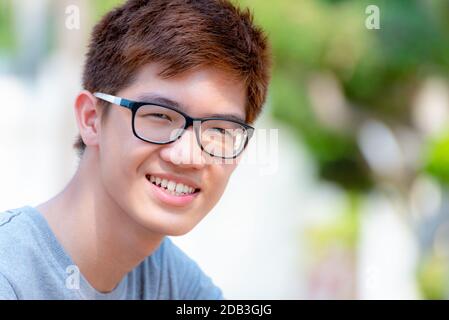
(172, 186)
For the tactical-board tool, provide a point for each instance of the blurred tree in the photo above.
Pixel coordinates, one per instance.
(377, 73)
(437, 158)
(7, 36)
(99, 8)
(377, 70)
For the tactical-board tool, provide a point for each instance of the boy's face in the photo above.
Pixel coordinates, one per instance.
(128, 165)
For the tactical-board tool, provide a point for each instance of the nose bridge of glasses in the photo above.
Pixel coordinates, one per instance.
(193, 123)
(187, 147)
(189, 134)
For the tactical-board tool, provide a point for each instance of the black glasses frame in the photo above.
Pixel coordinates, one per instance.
(189, 121)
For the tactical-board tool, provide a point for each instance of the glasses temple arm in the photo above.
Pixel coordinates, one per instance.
(109, 98)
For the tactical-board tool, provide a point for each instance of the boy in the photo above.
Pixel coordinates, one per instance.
(170, 90)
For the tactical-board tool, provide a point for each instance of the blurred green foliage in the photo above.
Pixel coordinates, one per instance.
(341, 231)
(99, 8)
(437, 158)
(7, 35)
(378, 70)
(433, 277)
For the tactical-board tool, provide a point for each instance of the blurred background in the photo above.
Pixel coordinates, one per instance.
(351, 200)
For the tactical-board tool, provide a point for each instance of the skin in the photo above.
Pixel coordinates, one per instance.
(106, 218)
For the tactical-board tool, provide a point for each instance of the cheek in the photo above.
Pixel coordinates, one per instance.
(114, 143)
(218, 180)
(134, 160)
(125, 158)
(123, 173)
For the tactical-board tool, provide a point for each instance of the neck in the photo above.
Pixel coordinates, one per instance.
(103, 241)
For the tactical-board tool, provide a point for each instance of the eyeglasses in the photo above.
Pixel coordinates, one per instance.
(161, 124)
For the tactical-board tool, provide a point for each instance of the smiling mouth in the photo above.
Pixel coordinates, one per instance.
(172, 187)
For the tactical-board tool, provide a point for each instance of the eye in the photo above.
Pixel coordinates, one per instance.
(222, 132)
(219, 130)
(158, 116)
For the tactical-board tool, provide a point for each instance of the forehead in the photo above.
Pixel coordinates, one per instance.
(200, 91)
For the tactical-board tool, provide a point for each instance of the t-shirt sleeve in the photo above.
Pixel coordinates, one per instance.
(6, 290)
(193, 283)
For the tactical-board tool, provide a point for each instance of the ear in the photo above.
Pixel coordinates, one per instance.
(87, 116)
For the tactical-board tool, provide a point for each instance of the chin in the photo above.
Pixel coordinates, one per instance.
(178, 232)
(166, 225)
(169, 230)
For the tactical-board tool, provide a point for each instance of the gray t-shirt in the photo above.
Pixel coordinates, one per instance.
(34, 265)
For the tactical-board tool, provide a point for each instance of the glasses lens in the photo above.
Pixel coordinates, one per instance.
(158, 124)
(223, 138)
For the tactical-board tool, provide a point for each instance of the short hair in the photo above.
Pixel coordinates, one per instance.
(181, 35)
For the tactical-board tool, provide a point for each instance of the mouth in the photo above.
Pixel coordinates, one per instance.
(172, 187)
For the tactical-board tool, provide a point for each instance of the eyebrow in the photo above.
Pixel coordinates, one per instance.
(158, 99)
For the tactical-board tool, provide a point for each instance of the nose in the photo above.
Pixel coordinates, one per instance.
(185, 151)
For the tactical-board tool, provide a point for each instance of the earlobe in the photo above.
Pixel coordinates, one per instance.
(87, 117)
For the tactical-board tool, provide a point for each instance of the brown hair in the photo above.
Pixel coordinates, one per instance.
(182, 35)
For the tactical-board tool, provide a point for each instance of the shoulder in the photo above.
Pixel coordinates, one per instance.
(6, 289)
(6, 217)
(14, 249)
(184, 273)
(14, 228)
(17, 238)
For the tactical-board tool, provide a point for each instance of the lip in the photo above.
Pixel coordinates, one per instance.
(169, 199)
